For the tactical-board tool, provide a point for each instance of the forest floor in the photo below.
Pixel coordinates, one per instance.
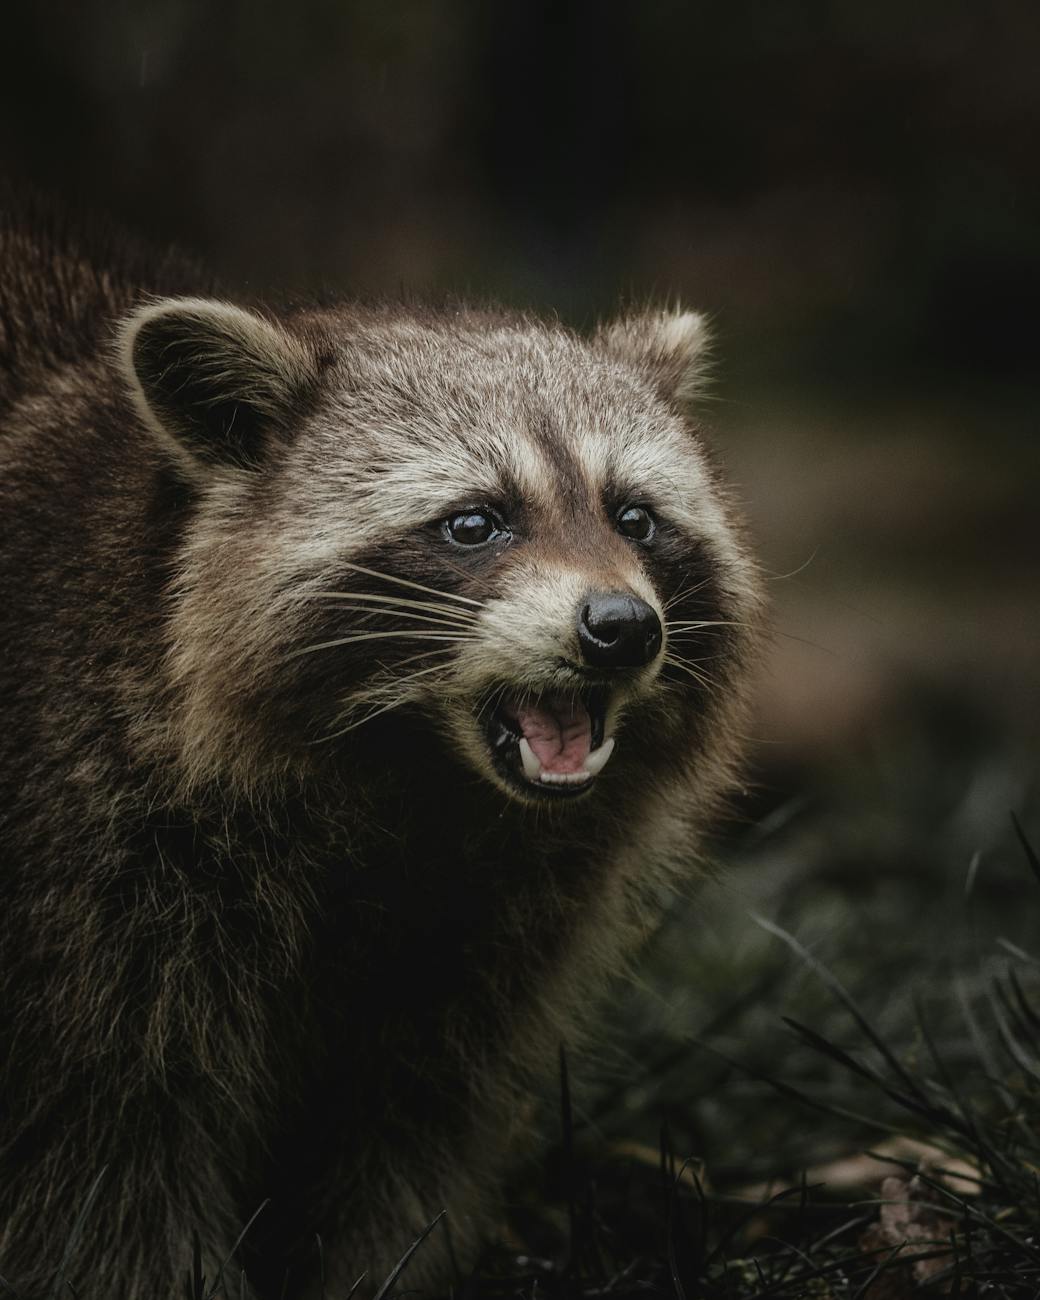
(861, 976)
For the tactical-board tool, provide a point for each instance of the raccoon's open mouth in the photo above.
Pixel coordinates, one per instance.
(550, 745)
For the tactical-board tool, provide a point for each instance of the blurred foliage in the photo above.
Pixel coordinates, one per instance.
(863, 979)
(854, 187)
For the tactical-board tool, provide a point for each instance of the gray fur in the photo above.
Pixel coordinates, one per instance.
(273, 925)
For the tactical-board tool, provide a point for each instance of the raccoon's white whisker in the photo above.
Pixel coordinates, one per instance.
(394, 685)
(390, 692)
(402, 698)
(408, 582)
(782, 577)
(695, 624)
(470, 577)
(695, 676)
(335, 735)
(423, 654)
(405, 613)
(490, 698)
(703, 659)
(686, 591)
(432, 606)
(378, 636)
(701, 678)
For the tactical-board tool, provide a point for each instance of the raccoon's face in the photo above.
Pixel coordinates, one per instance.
(474, 520)
(547, 628)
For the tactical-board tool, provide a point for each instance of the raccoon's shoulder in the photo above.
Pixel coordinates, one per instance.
(64, 278)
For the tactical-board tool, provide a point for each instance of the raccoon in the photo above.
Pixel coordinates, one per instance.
(367, 672)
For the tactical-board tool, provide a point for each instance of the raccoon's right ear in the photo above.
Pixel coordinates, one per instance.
(216, 382)
(673, 345)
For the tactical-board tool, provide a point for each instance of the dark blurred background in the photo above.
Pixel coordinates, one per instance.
(850, 190)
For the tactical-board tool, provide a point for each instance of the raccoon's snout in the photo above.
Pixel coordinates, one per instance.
(618, 630)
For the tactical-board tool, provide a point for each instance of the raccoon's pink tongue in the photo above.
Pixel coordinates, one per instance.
(559, 732)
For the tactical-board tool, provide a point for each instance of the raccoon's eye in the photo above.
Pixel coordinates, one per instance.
(636, 522)
(472, 528)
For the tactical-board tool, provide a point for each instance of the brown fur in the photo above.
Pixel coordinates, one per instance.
(260, 939)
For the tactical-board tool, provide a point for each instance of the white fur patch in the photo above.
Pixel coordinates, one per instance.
(684, 331)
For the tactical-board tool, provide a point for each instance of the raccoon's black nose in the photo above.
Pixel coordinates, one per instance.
(616, 630)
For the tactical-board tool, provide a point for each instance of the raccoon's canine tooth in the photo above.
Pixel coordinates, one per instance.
(532, 767)
(597, 760)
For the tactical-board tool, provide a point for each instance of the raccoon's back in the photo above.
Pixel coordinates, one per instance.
(62, 284)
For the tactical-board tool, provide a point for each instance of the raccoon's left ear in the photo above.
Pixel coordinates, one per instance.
(672, 345)
(215, 382)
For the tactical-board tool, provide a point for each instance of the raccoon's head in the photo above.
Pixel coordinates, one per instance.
(488, 526)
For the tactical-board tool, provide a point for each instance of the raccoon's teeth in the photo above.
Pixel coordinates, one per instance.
(594, 763)
(530, 760)
(597, 760)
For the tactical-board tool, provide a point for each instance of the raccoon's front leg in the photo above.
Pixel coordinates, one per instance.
(124, 1231)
